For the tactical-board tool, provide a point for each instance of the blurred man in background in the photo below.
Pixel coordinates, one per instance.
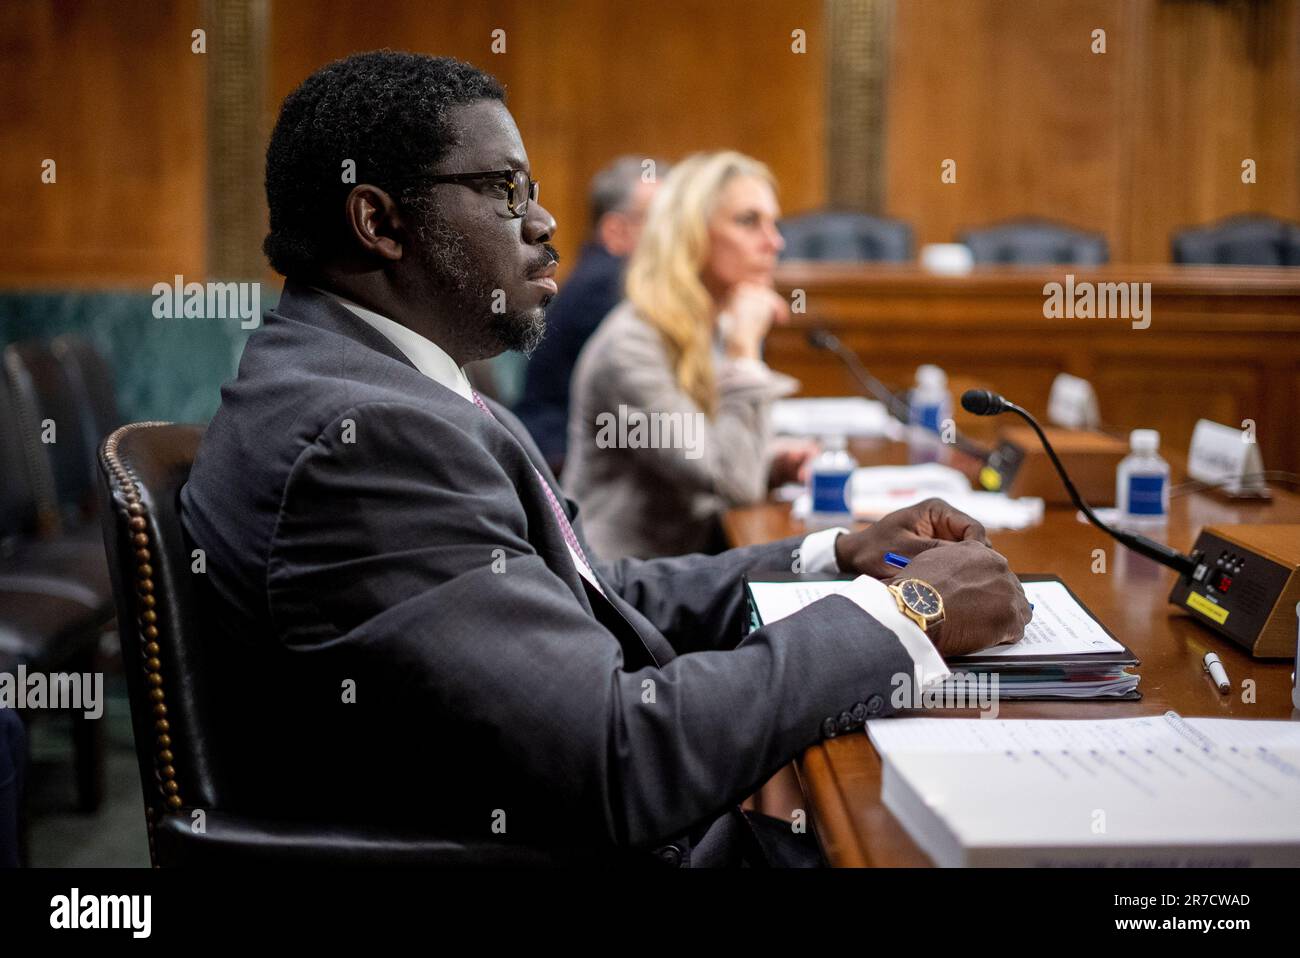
(620, 194)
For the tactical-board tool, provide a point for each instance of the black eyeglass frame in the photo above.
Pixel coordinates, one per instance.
(514, 180)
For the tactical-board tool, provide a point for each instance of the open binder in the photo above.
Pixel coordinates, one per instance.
(1028, 671)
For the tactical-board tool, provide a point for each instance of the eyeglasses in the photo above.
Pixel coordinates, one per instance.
(521, 189)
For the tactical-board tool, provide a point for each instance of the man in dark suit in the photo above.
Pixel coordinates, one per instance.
(619, 197)
(411, 627)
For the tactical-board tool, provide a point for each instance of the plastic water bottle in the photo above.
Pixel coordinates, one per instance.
(830, 483)
(931, 406)
(1142, 482)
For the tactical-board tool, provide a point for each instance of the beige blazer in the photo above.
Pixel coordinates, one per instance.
(651, 472)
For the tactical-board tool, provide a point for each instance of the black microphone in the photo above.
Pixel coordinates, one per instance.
(1001, 463)
(981, 402)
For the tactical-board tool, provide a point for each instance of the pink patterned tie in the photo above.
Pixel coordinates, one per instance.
(567, 530)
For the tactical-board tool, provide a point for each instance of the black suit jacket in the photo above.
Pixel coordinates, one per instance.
(408, 639)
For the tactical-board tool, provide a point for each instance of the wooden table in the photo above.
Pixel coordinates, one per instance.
(840, 778)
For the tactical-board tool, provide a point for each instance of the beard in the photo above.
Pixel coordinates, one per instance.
(490, 326)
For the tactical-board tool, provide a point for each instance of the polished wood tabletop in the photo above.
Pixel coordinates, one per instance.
(840, 777)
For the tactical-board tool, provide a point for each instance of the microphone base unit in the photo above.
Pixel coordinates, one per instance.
(1091, 458)
(1250, 588)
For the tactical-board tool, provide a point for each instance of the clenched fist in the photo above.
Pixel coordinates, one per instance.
(983, 601)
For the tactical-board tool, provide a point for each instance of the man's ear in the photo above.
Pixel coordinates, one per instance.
(375, 221)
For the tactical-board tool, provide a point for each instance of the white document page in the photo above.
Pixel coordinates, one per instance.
(1060, 625)
(776, 600)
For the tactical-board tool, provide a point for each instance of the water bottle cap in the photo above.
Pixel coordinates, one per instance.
(834, 442)
(929, 375)
(1144, 440)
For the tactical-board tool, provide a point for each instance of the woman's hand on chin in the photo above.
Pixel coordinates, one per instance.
(747, 314)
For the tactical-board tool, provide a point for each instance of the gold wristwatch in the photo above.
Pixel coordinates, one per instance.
(919, 601)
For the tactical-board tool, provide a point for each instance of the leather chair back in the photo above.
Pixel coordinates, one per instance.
(1035, 243)
(170, 679)
(846, 237)
(27, 491)
(95, 396)
(1240, 241)
(93, 380)
(51, 394)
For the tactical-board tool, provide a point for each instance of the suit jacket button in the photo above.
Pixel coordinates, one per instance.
(859, 713)
(670, 855)
(875, 704)
(829, 728)
(845, 721)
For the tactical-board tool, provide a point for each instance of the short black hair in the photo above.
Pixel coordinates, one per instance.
(387, 111)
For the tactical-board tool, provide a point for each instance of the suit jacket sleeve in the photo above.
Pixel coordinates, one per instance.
(405, 550)
(697, 601)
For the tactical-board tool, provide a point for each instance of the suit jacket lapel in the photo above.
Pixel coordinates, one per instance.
(602, 605)
(298, 302)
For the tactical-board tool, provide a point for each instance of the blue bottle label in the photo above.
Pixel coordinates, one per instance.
(928, 416)
(830, 491)
(1146, 495)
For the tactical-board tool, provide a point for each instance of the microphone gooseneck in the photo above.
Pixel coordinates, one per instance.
(898, 408)
(982, 402)
(823, 339)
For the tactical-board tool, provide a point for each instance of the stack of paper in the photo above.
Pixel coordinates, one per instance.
(1065, 652)
(1152, 791)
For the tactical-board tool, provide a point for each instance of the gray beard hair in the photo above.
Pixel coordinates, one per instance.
(443, 253)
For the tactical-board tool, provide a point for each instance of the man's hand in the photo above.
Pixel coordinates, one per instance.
(907, 532)
(983, 601)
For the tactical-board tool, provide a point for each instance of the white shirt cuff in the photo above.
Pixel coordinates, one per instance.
(817, 554)
(874, 597)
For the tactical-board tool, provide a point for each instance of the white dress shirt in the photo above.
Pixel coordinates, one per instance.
(816, 552)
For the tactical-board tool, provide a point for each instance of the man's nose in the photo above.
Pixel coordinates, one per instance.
(539, 224)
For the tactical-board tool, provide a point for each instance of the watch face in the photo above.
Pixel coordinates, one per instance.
(920, 598)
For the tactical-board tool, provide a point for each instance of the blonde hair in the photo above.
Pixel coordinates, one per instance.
(663, 276)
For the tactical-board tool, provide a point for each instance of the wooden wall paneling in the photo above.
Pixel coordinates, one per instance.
(589, 80)
(1013, 94)
(1136, 143)
(112, 93)
(1217, 83)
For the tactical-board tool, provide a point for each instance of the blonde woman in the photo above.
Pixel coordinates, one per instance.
(670, 423)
